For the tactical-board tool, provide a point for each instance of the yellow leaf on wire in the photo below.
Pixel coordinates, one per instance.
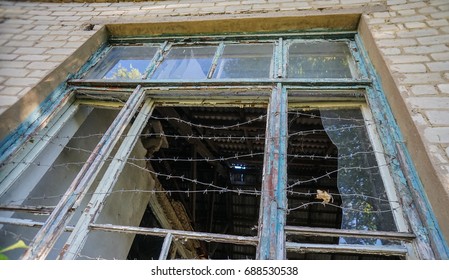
(18, 245)
(325, 196)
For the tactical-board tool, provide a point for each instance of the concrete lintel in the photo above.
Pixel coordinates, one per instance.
(345, 20)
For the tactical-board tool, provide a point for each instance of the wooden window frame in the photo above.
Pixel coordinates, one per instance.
(142, 95)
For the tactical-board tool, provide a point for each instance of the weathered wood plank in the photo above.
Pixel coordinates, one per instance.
(349, 249)
(205, 236)
(166, 246)
(313, 231)
(39, 210)
(274, 198)
(78, 238)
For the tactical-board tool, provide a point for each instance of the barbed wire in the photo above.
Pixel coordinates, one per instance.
(334, 194)
(305, 205)
(327, 174)
(237, 125)
(210, 187)
(182, 177)
(222, 127)
(228, 138)
(92, 258)
(202, 134)
(190, 159)
(313, 116)
(204, 137)
(205, 191)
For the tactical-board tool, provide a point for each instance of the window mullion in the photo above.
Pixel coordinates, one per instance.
(359, 69)
(47, 236)
(274, 199)
(217, 56)
(279, 59)
(157, 59)
(166, 246)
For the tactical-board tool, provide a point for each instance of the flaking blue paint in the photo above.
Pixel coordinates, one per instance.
(92, 61)
(273, 211)
(157, 58)
(281, 193)
(28, 127)
(25, 131)
(391, 137)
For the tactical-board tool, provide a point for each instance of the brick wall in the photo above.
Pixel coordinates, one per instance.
(412, 35)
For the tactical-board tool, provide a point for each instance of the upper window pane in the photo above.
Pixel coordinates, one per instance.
(320, 60)
(245, 61)
(128, 62)
(186, 63)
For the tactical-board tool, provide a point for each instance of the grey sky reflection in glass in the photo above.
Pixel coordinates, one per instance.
(245, 61)
(186, 63)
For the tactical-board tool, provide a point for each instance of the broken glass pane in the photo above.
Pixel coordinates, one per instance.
(333, 176)
(186, 63)
(320, 60)
(245, 61)
(124, 63)
(365, 204)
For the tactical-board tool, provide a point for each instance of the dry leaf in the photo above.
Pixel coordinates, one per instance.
(325, 196)
(18, 245)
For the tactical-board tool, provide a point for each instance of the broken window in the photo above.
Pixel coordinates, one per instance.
(334, 178)
(227, 148)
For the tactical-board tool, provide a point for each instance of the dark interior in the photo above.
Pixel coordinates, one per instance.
(232, 139)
